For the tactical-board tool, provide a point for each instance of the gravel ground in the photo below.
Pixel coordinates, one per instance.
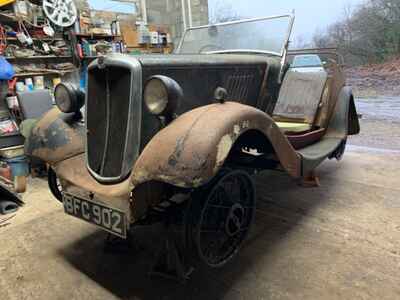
(380, 123)
(339, 241)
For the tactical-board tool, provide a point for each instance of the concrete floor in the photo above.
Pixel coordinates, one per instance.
(339, 241)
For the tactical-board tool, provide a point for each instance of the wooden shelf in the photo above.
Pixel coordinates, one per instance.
(55, 73)
(91, 57)
(8, 18)
(37, 39)
(39, 57)
(96, 35)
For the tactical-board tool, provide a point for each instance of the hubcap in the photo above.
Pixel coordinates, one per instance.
(234, 221)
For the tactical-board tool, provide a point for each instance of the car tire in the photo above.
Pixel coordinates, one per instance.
(228, 201)
(54, 184)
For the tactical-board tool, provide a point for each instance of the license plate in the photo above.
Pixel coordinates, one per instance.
(109, 219)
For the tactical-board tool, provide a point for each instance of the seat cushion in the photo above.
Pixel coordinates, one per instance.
(293, 127)
(300, 95)
(34, 104)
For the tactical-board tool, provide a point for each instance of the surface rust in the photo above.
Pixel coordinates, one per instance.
(56, 137)
(190, 151)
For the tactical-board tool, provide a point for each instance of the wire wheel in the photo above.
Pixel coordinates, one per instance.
(225, 218)
(54, 184)
(61, 12)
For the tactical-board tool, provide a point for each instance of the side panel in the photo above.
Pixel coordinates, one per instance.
(337, 132)
(242, 82)
(191, 150)
(57, 136)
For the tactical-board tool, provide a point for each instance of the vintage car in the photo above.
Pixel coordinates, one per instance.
(153, 134)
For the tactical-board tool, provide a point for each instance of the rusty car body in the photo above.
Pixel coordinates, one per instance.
(235, 111)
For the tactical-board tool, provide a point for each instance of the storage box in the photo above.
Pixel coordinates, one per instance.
(12, 152)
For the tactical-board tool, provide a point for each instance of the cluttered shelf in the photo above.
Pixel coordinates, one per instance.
(55, 73)
(39, 57)
(47, 39)
(91, 57)
(95, 35)
(5, 17)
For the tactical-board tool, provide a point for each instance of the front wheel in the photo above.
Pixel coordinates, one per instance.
(225, 215)
(54, 184)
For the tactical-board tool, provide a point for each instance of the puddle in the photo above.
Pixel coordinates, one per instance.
(382, 108)
(355, 148)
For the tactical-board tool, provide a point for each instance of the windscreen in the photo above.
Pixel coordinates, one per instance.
(268, 35)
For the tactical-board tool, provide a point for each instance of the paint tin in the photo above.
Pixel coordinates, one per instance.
(38, 82)
(20, 87)
(12, 102)
(29, 84)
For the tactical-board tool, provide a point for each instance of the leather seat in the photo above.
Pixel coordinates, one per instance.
(293, 127)
(300, 96)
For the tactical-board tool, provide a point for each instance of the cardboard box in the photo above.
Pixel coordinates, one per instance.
(129, 35)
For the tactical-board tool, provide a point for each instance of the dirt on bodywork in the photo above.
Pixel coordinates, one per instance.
(57, 136)
(191, 150)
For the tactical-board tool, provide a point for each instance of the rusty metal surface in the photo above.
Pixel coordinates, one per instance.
(337, 82)
(55, 137)
(191, 150)
(336, 133)
(74, 171)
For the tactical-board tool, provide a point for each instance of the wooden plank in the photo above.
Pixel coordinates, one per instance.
(129, 35)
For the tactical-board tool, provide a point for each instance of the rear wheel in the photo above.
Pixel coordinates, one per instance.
(54, 184)
(225, 216)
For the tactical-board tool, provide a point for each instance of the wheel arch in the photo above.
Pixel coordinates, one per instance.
(191, 150)
(354, 123)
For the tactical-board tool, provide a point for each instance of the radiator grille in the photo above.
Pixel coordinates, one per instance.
(237, 87)
(108, 105)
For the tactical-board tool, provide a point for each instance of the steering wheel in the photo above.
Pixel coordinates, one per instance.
(210, 46)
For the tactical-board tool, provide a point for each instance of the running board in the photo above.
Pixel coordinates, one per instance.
(312, 156)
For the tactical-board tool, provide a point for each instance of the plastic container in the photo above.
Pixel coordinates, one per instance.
(19, 166)
(5, 172)
(20, 87)
(29, 84)
(12, 102)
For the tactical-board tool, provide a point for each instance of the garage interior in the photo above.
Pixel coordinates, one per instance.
(336, 241)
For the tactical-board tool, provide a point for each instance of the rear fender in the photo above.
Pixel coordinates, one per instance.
(56, 136)
(354, 123)
(191, 150)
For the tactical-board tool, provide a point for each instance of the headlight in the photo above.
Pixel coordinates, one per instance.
(162, 95)
(69, 98)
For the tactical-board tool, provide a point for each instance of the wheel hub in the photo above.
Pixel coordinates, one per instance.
(225, 218)
(234, 220)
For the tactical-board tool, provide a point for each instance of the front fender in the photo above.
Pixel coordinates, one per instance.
(55, 137)
(190, 151)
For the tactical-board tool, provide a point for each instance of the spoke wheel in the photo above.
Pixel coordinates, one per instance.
(54, 184)
(225, 218)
